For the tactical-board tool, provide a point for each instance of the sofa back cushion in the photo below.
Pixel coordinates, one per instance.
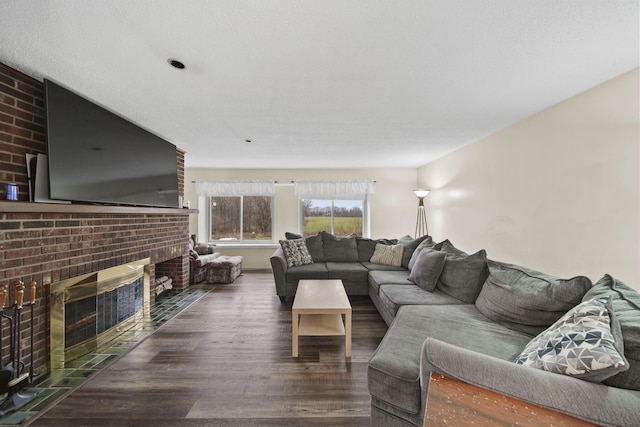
(339, 249)
(625, 303)
(527, 300)
(463, 275)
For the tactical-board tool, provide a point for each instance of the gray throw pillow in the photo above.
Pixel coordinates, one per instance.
(427, 269)
(463, 275)
(585, 343)
(410, 244)
(527, 300)
(625, 303)
(339, 249)
(426, 243)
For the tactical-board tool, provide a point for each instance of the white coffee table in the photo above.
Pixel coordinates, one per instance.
(317, 311)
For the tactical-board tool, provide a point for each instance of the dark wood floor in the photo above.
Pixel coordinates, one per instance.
(226, 361)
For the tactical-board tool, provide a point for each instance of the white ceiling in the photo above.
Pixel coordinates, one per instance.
(322, 83)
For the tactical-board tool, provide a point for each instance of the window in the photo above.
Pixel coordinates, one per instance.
(340, 217)
(339, 207)
(239, 211)
(241, 218)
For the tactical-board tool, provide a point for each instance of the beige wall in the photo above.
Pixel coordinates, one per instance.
(392, 212)
(558, 191)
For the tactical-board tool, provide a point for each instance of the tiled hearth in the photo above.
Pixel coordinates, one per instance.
(62, 381)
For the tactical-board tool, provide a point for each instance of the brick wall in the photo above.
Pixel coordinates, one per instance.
(22, 126)
(37, 244)
(48, 247)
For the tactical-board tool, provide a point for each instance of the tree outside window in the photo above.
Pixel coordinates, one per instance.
(243, 218)
(340, 217)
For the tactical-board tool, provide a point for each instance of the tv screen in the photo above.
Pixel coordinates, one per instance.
(96, 156)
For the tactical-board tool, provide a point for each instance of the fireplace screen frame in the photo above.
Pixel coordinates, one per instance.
(102, 284)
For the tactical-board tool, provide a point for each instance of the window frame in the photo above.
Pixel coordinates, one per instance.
(208, 226)
(365, 213)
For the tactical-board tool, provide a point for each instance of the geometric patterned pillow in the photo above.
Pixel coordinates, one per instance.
(585, 343)
(296, 252)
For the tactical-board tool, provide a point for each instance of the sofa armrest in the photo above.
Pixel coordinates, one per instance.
(279, 268)
(596, 403)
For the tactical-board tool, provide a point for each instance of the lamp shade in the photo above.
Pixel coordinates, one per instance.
(421, 193)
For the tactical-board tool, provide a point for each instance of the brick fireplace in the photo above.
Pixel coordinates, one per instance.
(48, 243)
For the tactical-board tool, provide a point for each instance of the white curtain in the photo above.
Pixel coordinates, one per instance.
(235, 188)
(332, 190)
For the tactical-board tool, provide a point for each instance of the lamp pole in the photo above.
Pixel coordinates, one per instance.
(421, 220)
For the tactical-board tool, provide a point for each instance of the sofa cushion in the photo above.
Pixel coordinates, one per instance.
(427, 268)
(339, 249)
(528, 300)
(388, 255)
(410, 244)
(393, 297)
(375, 267)
(316, 270)
(625, 303)
(463, 275)
(426, 243)
(387, 277)
(314, 244)
(347, 271)
(296, 252)
(585, 343)
(394, 369)
(367, 246)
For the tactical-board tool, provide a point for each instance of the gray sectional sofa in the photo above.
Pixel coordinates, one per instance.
(470, 318)
(346, 258)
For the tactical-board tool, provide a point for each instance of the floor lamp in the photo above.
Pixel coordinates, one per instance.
(421, 221)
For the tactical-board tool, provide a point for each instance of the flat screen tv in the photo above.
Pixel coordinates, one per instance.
(96, 156)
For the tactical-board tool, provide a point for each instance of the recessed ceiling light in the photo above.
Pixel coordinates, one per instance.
(176, 64)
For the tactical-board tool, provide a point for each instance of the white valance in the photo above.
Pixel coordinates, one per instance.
(341, 190)
(235, 188)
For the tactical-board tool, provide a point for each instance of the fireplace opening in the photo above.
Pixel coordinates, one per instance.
(90, 310)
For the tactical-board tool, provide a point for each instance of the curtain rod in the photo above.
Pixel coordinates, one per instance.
(292, 181)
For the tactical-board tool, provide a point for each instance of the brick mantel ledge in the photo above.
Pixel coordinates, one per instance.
(81, 208)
